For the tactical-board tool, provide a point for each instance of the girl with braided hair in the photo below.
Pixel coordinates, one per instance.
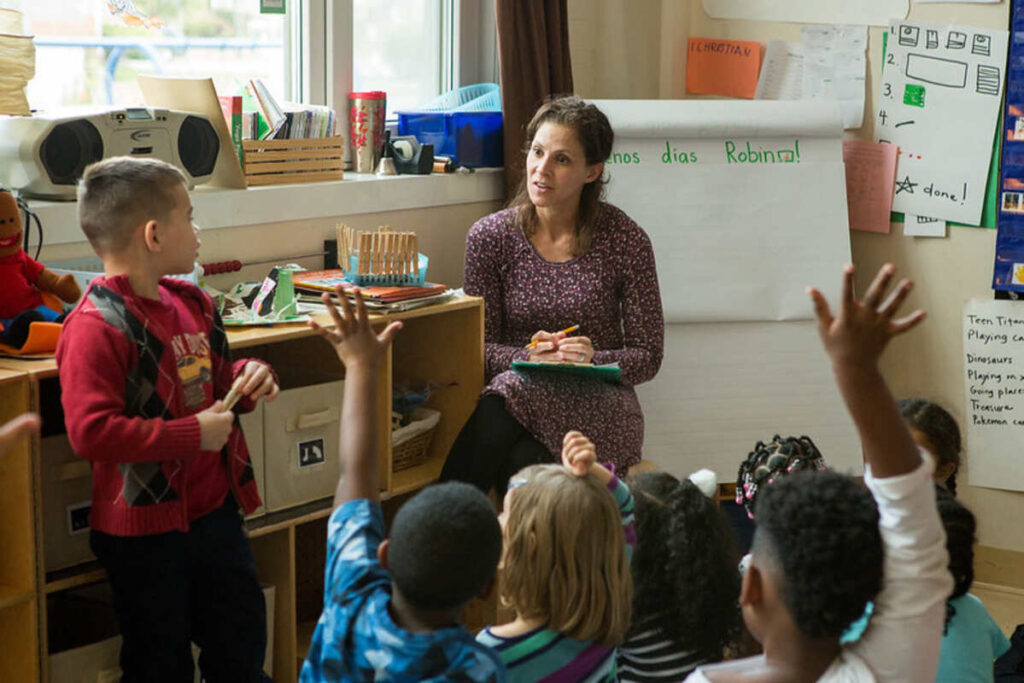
(686, 587)
(935, 430)
(972, 641)
(768, 462)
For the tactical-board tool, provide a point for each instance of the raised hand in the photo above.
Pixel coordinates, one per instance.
(352, 337)
(578, 453)
(860, 331)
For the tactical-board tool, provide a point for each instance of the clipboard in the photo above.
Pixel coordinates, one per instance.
(609, 372)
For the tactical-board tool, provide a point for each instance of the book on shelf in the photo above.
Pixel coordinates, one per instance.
(231, 105)
(327, 280)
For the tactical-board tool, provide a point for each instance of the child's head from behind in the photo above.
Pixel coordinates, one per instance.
(960, 527)
(444, 547)
(126, 203)
(772, 460)
(684, 567)
(565, 559)
(935, 430)
(816, 558)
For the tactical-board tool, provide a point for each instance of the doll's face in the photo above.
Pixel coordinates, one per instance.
(10, 225)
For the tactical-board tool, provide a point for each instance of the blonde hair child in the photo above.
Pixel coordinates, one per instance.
(569, 536)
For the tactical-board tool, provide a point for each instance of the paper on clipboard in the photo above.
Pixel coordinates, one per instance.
(197, 95)
(609, 372)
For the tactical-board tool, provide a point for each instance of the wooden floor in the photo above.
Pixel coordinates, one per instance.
(1004, 603)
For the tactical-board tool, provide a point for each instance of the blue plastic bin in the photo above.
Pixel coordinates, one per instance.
(465, 124)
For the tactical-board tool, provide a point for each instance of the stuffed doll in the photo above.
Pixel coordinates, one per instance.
(22, 278)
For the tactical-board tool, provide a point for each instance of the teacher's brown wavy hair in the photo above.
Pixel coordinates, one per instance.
(596, 136)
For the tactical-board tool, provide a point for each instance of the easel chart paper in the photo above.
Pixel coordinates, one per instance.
(870, 12)
(745, 202)
(939, 100)
(994, 386)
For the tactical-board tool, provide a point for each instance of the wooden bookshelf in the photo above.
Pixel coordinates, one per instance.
(442, 343)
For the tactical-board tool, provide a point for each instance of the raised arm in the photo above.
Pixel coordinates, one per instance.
(904, 636)
(360, 351)
(643, 322)
(854, 339)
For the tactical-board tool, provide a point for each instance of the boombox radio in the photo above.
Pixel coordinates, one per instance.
(44, 155)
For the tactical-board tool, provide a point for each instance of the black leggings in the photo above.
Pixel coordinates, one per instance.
(491, 447)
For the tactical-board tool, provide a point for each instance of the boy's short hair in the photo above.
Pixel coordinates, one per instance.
(565, 557)
(115, 195)
(819, 533)
(445, 546)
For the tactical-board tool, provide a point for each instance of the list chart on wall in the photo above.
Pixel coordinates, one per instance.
(939, 100)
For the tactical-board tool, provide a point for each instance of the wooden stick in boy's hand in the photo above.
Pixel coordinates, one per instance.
(854, 340)
(360, 349)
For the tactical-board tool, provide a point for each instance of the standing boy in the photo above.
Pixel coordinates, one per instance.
(143, 363)
(393, 607)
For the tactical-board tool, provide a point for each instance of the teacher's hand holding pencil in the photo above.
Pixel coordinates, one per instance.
(559, 347)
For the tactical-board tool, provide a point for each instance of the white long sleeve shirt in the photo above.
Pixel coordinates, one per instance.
(903, 639)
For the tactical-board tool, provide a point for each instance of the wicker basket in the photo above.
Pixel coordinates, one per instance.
(409, 444)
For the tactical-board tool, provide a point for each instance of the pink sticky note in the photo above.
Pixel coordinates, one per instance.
(870, 178)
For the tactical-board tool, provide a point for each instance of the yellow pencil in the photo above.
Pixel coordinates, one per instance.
(565, 331)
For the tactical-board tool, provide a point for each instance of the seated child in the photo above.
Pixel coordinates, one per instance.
(769, 461)
(568, 536)
(685, 583)
(820, 545)
(393, 607)
(144, 362)
(972, 641)
(936, 431)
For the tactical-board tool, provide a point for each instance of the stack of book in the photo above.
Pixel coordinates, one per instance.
(311, 284)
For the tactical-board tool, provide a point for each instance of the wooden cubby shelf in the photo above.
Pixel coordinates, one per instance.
(441, 343)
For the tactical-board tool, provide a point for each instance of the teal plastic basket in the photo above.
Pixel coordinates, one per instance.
(465, 99)
(370, 280)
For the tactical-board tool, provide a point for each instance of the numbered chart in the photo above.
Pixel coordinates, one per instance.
(939, 101)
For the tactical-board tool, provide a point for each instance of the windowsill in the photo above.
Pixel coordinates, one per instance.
(358, 193)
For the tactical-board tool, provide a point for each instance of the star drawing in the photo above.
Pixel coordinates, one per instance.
(905, 185)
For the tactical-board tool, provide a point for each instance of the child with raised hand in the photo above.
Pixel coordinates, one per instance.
(686, 587)
(393, 607)
(972, 640)
(821, 550)
(568, 538)
(144, 368)
(936, 431)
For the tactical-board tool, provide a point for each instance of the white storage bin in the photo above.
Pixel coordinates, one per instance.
(67, 501)
(252, 428)
(300, 445)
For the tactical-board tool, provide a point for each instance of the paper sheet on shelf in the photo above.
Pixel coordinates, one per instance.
(870, 12)
(870, 168)
(939, 99)
(722, 67)
(744, 202)
(923, 226)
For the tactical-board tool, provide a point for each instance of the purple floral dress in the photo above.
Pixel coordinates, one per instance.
(611, 291)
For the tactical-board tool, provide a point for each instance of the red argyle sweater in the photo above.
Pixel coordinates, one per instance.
(133, 373)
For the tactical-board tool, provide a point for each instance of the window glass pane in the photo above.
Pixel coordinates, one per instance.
(86, 54)
(396, 47)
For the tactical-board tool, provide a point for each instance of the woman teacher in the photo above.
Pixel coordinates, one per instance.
(559, 257)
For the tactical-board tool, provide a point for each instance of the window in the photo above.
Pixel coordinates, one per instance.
(397, 48)
(87, 55)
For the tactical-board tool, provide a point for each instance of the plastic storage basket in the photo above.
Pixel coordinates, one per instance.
(465, 124)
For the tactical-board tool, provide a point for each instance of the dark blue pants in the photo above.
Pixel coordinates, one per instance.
(176, 588)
